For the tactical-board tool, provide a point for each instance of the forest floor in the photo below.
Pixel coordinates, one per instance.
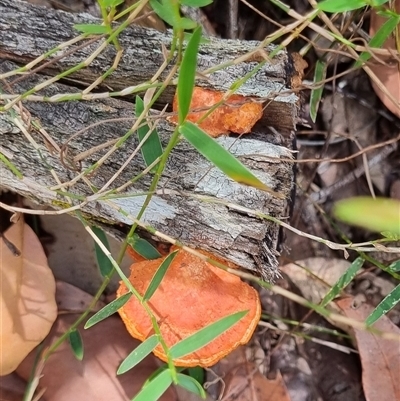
(295, 354)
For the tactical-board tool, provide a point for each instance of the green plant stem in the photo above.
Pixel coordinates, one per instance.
(11, 166)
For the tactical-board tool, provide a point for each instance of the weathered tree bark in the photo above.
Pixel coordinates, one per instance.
(194, 203)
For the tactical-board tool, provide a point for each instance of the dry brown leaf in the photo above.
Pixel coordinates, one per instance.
(389, 72)
(246, 383)
(12, 387)
(380, 358)
(242, 372)
(237, 114)
(74, 300)
(315, 276)
(71, 253)
(105, 346)
(27, 297)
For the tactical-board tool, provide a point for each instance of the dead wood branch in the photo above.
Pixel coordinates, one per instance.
(195, 203)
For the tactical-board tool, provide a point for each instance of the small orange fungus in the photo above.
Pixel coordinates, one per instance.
(237, 114)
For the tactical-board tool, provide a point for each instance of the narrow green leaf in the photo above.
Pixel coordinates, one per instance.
(110, 3)
(340, 6)
(196, 3)
(152, 148)
(316, 94)
(167, 11)
(221, 158)
(191, 384)
(91, 29)
(284, 7)
(378, 214)
(143, 248)
(105, 265)
(188, 35)
(187, 23)
(108, 310)
(159, 275)
(187, 74)
(197, 373)
(11, 166)
(388, 303)
(379, 38)
(343, 281)
(155, 388)
(390, 236)
(377, 3)
(75, 340)
(394, 267)
(138, 354)
(155, 373)
(206, 335)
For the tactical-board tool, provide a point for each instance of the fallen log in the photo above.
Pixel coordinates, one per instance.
(194, 203)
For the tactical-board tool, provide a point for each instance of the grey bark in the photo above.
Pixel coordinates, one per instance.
(194, 202)
(27, 32)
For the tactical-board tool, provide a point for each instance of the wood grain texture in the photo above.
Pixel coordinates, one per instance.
(27, 32)
(195, 203)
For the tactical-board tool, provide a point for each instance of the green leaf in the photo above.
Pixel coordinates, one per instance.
(379, 38)
(284, 7)
(221, 158)
(91, 29)
(379, 214)
(340, 6)
(108, 310)
(390, 236)
(167, 10)
(394, 267)
(188, 35)
(138, 354)
(377, 3)
(155, 388)
(159, 275)
(156, 372)
(191, 384)
(110, 3)
(75, 340)
(11, 166)
(187, 23)
(187, 74)
(343, 281)
(316, 94)
(196, 3)
(197, 373)
(388, 303)
(206, 335)
(143, 248)
(152, 148)
(105, 265)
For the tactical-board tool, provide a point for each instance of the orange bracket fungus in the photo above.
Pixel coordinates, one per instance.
(237, 114)
(192, 295)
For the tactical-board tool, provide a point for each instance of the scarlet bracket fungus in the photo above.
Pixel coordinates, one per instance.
(192, 295)
(237, 114)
